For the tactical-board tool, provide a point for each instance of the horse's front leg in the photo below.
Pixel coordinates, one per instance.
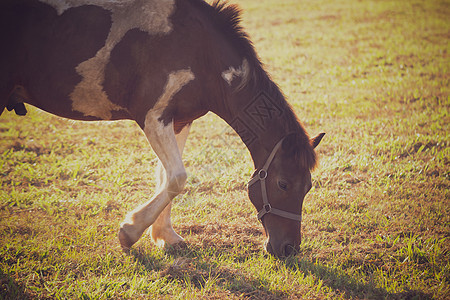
(164, 143)
(162, 230)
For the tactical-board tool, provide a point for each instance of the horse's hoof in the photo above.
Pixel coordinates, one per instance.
(180, 245)
(20, 109)
(172, 248)
(125, 240)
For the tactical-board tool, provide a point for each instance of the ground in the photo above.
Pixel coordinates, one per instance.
(374, 75)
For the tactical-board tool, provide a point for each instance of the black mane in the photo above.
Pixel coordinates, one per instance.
(227, 18)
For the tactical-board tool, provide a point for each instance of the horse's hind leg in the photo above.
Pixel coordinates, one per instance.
(163, 141)
(16, 99)
(162, 230)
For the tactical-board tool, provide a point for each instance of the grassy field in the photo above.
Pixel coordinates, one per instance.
(374, 75)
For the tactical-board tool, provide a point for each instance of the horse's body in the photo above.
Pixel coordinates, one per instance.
(162, 63)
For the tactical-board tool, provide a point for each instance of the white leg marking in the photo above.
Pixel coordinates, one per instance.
(151, 16)
(171, 181)
(162, 230)
(163, 142)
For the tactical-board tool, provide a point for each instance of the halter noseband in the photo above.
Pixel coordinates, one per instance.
(261, 176)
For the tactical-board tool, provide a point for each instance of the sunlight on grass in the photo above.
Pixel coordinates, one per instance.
(373, 75)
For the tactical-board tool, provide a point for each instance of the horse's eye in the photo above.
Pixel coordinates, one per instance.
(283, 185)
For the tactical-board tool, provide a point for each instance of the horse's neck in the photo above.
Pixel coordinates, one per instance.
(255, 117)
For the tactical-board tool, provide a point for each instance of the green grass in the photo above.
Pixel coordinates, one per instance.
(374, 75)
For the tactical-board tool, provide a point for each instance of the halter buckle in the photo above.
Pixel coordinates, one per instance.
(268, 208)
(262, 174)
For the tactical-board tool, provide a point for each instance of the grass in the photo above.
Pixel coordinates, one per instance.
(373, 75)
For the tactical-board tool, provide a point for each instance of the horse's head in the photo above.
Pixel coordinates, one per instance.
(278, 188)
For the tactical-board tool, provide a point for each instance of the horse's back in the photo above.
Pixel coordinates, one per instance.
(42, 50)
(101, 59)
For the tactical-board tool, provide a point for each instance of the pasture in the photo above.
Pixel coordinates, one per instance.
(374, 75)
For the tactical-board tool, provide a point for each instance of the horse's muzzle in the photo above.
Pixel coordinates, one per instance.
(285, 250)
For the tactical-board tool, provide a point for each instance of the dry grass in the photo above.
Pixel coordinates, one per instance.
(374, 75)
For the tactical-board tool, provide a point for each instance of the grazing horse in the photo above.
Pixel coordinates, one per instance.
(163, 64)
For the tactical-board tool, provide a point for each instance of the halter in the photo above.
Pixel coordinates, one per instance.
(261, 176)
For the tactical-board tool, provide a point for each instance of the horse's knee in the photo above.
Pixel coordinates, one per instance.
(176, 183)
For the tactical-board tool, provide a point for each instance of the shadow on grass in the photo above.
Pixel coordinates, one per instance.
(187, 268)
(10, 289)
(340, 282)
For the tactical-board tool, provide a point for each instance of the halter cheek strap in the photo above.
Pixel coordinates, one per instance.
(261, 177)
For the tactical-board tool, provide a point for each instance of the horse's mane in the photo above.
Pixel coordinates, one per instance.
(227, 18)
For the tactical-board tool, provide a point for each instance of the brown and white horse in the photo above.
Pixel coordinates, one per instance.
(162, 63)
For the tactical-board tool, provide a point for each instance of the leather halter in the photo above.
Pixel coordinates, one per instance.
(261, 177)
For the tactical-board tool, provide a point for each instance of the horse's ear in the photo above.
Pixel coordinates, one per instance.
(316, 140)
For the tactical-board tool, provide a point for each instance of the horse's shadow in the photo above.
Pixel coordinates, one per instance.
(10, 289)
(346, 285)
(187, 265)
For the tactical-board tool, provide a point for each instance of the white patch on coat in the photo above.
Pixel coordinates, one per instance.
(175, 82)
(242, 71)
(151, 16)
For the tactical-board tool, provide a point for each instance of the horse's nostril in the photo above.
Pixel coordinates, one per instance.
(289, 250)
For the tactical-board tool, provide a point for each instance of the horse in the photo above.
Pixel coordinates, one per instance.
(163, 64)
